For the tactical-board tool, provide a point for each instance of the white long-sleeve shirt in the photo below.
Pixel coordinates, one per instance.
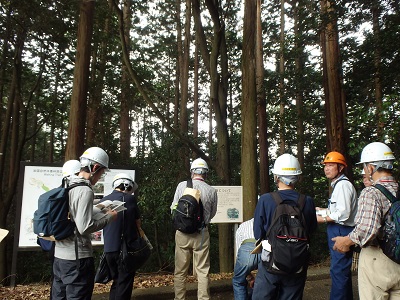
(343, 202)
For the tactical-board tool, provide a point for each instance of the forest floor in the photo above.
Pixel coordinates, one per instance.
(39, 291)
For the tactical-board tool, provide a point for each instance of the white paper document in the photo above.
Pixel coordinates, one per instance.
(100, 210)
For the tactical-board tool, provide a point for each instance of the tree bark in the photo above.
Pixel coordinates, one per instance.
(299, 69)
(178, 67)
(261, 106)
(377, 76)
(77, 117)
(196, 91)
(249, 103)
(335, 109)
(126, 93)
(282, 101)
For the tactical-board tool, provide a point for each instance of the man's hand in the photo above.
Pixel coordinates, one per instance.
(342, 244)
(113, 214)
(141, 232)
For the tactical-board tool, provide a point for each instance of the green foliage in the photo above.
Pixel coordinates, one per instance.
(49, 50)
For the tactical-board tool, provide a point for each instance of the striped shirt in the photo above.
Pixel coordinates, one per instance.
(208, 196)
(244, 232)
(372, 208)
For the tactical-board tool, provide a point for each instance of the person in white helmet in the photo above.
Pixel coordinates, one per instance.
(366, 179)
(73, 265)
(196, 245)
(378, 275)
(71, 167)
(272, 286)
(130, 226)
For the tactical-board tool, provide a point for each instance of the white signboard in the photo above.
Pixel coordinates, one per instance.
(40, 179)
(230, 204)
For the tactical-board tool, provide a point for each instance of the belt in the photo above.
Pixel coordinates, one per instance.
(248, 241)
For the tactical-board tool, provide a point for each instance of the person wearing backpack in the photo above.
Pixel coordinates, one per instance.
(339, 218)
(73, 265)
(282, 271)
(378, 275)
(129, 225)
(69, 168)
(196, 244)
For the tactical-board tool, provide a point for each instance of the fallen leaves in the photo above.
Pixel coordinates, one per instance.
(142, 281)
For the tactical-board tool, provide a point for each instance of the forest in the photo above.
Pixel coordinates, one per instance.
(159, 83)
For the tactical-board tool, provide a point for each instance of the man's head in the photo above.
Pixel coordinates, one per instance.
(124, 183)
(71, 167)
(286, 169)
(334, 165)
(95, 162)
(366, 179)
(199, 167)
(377, 157)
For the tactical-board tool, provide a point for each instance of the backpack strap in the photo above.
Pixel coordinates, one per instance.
(189, 183)
(277, 198)
(70, 187)
(301, 201)
(341, 179)
(385, 191)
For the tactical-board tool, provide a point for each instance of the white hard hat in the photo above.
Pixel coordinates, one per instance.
(286, 164)
(199, 166)
(96, 155)
(71, 167)
(125, 179)
(377, 152)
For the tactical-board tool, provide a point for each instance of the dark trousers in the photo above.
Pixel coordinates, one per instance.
(270, 286)
(121, 288)
(340, 265)
(72, 282)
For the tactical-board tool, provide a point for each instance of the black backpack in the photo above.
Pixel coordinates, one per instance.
(288, 237)
(390, 243)
(188, 214)
(52, 220)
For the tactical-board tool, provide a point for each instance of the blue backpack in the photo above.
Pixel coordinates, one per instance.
(52, 220)
(391, 227)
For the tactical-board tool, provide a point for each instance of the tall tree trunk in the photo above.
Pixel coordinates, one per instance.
(335, 109)
(261, 106)
(282, 101)
(77, 116)
(142, 89)
(377, 76)
(299, 69)
(249, 103)
(126, 93)
(196, 92)
(214, 61)
(3, 69)
(95, 109)
(55, 107)
(9, 177)
(179, 63)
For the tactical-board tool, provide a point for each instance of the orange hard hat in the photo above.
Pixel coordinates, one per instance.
(335, 157)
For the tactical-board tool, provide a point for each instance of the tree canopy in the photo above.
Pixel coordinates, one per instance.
(169, 81)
